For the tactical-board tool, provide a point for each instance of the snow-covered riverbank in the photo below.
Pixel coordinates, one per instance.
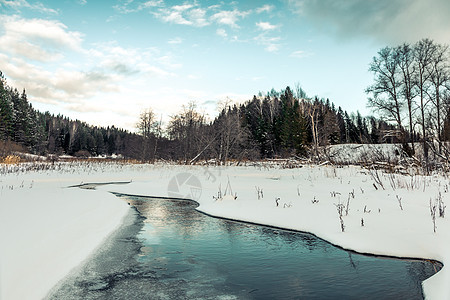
(46, 230)
(68, 224)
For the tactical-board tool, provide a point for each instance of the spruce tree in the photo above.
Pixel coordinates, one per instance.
(6, 111)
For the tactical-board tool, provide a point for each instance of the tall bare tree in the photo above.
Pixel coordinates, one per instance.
(186, 127)
(313, 113)
(408, 68)
(387, 88)
(423, 54)
(439, 78)
(146, 127)
(229, 134)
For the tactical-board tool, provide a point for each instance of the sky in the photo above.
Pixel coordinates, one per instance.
(104, 62)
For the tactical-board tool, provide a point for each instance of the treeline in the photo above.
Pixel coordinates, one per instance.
(278, 124)
(275, 125)
(43, 133)
(411, 92)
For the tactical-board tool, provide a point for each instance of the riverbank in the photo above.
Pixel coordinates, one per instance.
(46, 230)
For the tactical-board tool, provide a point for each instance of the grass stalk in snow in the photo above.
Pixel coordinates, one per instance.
(441, 206)
(392, 181)
(399, 199)
(433, 214)
(351, 195)
(375, 174)
(259, 192)
(340, 210)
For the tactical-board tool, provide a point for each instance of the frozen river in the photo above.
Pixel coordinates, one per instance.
(168, 250)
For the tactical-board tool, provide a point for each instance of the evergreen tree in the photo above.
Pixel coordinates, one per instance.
(6, 111)
(292, 134)
(374, 136)
(343, 137)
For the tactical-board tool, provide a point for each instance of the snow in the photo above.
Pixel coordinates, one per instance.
(363, 153)
(48, 229)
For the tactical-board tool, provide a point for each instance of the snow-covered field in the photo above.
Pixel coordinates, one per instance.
(47, 229)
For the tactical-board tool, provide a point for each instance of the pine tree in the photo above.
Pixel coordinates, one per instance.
(293, 126)
(343, 137)
(6, 111)
(374, 132)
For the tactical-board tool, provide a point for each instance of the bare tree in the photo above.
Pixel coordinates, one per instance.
(408, 72)
(147, 126)
(313, 112)
(439, 78)
(186, 127)
(416, 77)
(424, 51)
(386, 90)
(228, 129)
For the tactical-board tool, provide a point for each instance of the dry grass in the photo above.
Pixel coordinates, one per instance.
(10, 160)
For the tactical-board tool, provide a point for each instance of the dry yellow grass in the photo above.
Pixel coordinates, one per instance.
(10, 160)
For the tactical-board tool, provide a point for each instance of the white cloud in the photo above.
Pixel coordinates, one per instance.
(53, 87)
(26, 49)
(29, 48)
(176, 40)
(37, 39)
(182, 8)
(132, 6)
(191, 14)
(148, 4)
(229, 17)
(300, 54)
(198, 17)
(82, 2)
(221, 32)
(174, 16)
(186, 14)
(266, 26)
(130, 61)
(271, 43)
(111, 19)
(20, 4)
(272, 47)
(265, 8)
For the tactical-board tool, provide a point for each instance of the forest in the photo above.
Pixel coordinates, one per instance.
(279, 124)
(410, 94)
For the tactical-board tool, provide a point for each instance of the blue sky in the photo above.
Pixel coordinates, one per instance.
(105, 61)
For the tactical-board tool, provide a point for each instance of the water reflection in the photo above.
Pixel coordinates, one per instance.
(179, 215)
(179, 253)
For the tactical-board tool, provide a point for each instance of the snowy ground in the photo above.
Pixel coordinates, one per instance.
(47, 229)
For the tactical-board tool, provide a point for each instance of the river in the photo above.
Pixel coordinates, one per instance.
(168, 250)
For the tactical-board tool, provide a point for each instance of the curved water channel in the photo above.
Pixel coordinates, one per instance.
(168, 250)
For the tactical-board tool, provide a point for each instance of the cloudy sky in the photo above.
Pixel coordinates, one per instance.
(105, 61)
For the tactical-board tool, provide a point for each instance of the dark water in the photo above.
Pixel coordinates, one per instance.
(170, 251)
